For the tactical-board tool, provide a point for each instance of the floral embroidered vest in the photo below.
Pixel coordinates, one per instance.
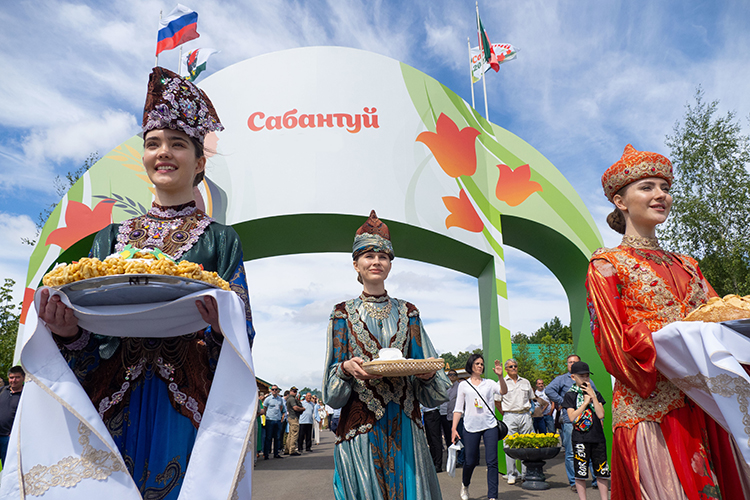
(370, 397)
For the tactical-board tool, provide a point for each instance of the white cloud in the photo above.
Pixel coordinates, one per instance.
(82, 137)
(43, 148)
(15, 261)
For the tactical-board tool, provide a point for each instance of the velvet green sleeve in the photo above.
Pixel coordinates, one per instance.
(104, 242)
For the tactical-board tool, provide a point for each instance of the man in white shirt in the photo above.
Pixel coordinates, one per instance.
(516, 407)
(306, 420)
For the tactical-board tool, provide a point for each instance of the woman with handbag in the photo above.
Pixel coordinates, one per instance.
(476, 402)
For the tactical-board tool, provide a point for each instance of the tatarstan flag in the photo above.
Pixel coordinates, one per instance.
(485, 46)
(195, 62)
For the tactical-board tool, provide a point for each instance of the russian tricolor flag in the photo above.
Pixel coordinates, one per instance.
(180, 26)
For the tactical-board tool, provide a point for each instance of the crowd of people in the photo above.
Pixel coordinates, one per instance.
(288, 425)
(390, 431)
(467, 416)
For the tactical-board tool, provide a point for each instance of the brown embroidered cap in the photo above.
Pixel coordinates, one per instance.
(372, 236)
(175, 103)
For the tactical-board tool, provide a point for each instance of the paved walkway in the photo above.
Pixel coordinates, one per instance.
(310, 476)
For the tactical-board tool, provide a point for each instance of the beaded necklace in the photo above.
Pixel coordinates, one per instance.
(378, 312)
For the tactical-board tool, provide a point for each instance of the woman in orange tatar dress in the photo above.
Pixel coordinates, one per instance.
(665, 446)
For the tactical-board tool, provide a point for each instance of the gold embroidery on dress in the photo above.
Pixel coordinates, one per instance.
(725, 386)
(628, 408)
(92, 464)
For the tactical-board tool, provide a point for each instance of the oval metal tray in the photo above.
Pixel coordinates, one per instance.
(125, 289)
(741, 326)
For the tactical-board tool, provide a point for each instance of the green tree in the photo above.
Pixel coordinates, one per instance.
(9, 318)
(62, 185)
(711, 194)
(305, 390)
(556, 330)
(527, 365)
(553, 356)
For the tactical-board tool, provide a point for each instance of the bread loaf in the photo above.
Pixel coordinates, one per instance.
(718, 309)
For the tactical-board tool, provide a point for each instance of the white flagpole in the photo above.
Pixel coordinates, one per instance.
(179, 63)
(484, 52)
(486, 109)
(157, 55)
(471, 73)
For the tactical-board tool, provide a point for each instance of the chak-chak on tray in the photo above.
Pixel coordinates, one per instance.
(132, 276)
(391, 363)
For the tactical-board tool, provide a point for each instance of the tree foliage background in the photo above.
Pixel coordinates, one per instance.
(711, 191)
(10, 314)
(556, 343)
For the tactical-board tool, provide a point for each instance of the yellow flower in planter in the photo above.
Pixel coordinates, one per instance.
(548, 440)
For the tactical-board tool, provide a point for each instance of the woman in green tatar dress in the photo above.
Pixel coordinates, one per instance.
(151, 393)
(381, 449)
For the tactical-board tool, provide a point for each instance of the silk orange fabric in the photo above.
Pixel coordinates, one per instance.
(633, 292)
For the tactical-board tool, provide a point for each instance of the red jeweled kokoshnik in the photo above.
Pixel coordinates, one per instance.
(632, 166)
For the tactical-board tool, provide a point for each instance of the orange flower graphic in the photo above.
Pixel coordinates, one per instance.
(462, 214)
(514, 186)
(81, 221)
(453, 149)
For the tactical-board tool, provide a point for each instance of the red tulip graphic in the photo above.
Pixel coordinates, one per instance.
(81, 221)
(462, 214)
(453, 149)
(514, 186)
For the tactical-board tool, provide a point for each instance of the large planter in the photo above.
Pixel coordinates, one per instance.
(533, 459)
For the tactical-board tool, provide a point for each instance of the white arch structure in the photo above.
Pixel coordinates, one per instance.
(295, 165)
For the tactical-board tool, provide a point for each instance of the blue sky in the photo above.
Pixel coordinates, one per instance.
(590, 78)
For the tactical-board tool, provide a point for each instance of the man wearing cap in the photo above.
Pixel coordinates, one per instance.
(293, 409)
(516, 407)
(275, 408)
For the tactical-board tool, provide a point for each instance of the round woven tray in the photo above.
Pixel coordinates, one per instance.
(402, 367)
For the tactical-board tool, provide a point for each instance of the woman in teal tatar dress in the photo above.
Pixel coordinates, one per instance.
(381, 450)
(151, 392)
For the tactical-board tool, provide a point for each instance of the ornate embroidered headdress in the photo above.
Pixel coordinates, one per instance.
(173, 102)
(635, 165)
(372, 236)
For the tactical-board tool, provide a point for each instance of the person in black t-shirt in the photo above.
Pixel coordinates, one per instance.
(9, 397)
(585, 410)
